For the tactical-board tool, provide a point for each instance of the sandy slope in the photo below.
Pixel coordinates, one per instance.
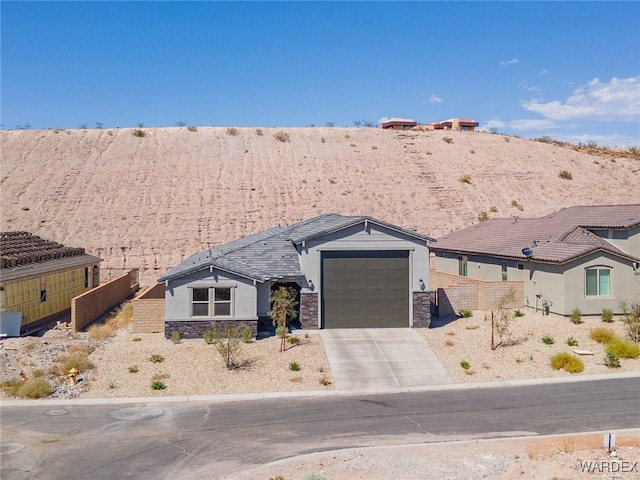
(149, 202)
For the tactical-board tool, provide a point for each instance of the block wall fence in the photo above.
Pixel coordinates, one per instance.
(148, 310)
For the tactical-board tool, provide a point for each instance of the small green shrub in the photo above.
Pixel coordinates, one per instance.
(483, 217)
(10, 387)
(466, 178)
(293, 340)
(611, 360)
(156, 358)
(325, 381)
(568, 362)
(282, 137)
(137, 339)
(313, 476)
(77, 360)
(138, 132)
(294, 366)
(246, 335)
(602, 334)
(576, 316)
(209, 336)
(518, 313)
(465, 313)
(35, 387)
(572, 342)
(464, 364)
(133, 369)
(232, 131)
(447, 139)
(158, 385)
(37, 373)
(548, 340)
(191, 128)
(623, 348)
(175, 336)
(565, 175)
(607, 315)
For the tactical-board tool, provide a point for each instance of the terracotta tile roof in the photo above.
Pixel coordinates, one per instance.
(556, 238)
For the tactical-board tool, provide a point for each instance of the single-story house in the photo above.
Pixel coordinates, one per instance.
(349, 272)
(585, 257)
(453, 124)
(39, 277)
(397, 123)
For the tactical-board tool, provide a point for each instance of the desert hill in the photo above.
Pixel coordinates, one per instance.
(148, 201)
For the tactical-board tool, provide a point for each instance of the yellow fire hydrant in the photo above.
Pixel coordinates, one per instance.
(73, 373)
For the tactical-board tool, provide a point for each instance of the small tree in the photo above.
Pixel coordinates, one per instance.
(502, 318)
(631, 317)
(228, 346)
(283, 309)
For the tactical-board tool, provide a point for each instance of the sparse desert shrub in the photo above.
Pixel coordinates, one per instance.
(565, 175)
(607, 315)
(191, 128)
(572, 342)
(233, 131)
(156, 358)
(611, 360)
(493, 209)
(568, 362)
(472, 151)
(160, 376)
(34, 388)
(37, 373)
(259, 132)
(464, 313)
(293, 340)
(517, 205)
(138, 132)
(602, 334)
(181, 123)
(325, 381)
(323, 140)
(158, 385)
(137, 339)
(10, 387)
(373, 147)
(100, 331)
(77, 360)
(313, 476)
(464, 364)
(352, 145)
(449, 343)
(133, 369)
(623, 348)
(548, 340)
(175, 337)
(447, 139)
(631, 318)
(483, 217)
(576, 316)
(209, 336)
(228, 346)
(282, 136)
(294, 366)
(518, 313)
(246, 335)
(79, 348)
(466, 178)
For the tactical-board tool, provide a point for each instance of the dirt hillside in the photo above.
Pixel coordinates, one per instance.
(149, 201)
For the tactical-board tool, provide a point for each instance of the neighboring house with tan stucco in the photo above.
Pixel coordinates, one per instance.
(585, 257)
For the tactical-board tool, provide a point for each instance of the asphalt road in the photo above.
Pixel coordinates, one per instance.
(213, 440)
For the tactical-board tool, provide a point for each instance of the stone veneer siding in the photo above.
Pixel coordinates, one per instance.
(421, 309)
(309, 310)
(195, 328)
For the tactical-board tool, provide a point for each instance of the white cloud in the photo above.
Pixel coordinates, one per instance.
(491, 124)
(513, 61)
(538, 124)
(435, 99)
(544, 72)
(383, 119)
(529, 88)
(618, 100)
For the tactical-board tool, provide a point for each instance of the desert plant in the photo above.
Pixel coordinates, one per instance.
(493, 209)
(209, 336)
(293, 340)
(449, 343)
(137, 339)
(156, 358)
(37, 373)
(502, 318)
(466, 178)
(282, 136)
(100, 331)
(572, 342)
(36, 387)
(464, 313)
(313, 475)
(138, 132)
(294, 366)
(325, 381)
(283, 309)
(623, 348)
(246, 335)
(602, 334)
(483, 217)
(228, 346)
(133, 369)
(611, 360)
(158, 385)
(447, 139)
(607, 315)
(464, 364)
(10, 387)
(233, 131)
(517, 205)
(181, 123)
(78, 360)
(548, 340)
(175, 337)
(565, 175)
(568, 362)
(191, 128)
(631, 318)
(576, 316)
(518, 313)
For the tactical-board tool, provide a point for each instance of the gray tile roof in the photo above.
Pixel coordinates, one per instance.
(556, 238)
(272, 254)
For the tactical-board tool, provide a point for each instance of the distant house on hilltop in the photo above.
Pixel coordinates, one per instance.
(39, 277)
(585, 257)
(397, 123)
(453, 124)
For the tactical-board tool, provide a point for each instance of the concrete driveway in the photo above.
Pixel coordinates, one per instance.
(378, 359)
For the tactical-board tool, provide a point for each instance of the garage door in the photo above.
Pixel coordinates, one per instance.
(365, 289)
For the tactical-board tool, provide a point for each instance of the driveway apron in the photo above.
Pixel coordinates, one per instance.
(381, 359)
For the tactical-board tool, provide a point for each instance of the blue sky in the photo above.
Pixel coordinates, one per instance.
(568, 70)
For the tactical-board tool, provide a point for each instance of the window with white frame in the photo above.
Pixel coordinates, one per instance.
(598, 282)
(200, 302)
(462, 266)
(211, 302)
(222, 302)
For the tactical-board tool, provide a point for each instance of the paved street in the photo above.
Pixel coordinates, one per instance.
(193, 440)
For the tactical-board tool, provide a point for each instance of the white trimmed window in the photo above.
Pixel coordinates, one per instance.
(222, 302)
(211, 302)
(598, 282)
(200, 302)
